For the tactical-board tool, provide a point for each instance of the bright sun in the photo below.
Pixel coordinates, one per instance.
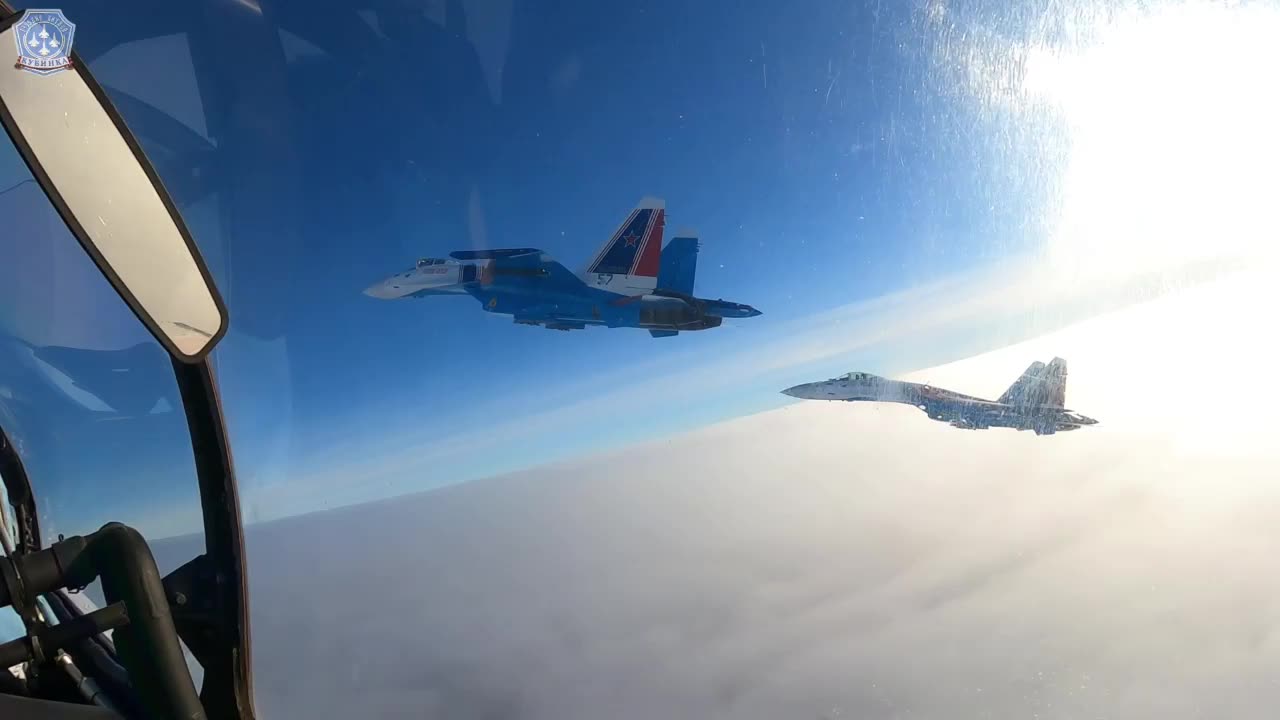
(1172, 120)
(1174, 129)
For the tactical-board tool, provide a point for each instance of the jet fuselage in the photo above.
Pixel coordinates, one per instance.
(959, 410)
(531, 296)
(631, 281)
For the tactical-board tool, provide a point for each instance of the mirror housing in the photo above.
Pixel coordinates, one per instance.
(96, 176)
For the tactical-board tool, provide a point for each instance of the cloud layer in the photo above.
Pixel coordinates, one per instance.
(828, 560)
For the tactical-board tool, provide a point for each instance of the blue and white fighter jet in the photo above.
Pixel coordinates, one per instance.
(1034, 401)
(632, 281)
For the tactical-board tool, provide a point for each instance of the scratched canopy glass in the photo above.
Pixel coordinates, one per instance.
(87, 395)
(104, 193)
(455, 511)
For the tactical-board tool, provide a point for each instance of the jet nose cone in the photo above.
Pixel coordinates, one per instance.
(809, 391)
(752, 312)
(796, 391)
(378, 290)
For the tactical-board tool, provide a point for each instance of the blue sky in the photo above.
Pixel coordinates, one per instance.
(817, 148)
(896, 185)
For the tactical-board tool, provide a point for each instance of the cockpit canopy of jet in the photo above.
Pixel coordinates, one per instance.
(857, 376)
(425, 262)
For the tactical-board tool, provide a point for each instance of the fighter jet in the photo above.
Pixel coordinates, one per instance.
(1033, 402)
(632, 281)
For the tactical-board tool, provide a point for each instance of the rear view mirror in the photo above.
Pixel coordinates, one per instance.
(93, 171)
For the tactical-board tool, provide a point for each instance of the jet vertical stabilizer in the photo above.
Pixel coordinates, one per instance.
(628, 262)
(679, 263)
(1040, 386)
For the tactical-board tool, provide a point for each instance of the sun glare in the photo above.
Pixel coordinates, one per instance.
(1172, 118)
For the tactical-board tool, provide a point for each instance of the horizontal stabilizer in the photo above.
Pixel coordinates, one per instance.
(679, 264)
(491, 254)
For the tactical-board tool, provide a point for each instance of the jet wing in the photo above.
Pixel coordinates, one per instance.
(523, 270)
(492, 254)
(561, 278)
(929, 392)
(535, 271)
